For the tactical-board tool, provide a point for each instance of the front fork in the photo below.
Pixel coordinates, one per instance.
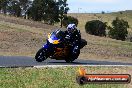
(48, 48)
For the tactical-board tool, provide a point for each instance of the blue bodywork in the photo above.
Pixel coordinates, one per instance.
(45, 46)
(54, 36)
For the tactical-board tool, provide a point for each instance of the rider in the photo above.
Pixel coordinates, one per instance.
(73, 35)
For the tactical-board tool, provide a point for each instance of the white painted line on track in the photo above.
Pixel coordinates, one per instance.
(56, 66)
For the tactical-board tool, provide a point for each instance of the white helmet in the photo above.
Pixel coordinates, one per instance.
(71, 28)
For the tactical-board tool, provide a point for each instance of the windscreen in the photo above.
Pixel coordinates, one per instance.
(58, 34)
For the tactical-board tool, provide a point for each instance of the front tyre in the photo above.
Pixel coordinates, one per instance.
(41, 55)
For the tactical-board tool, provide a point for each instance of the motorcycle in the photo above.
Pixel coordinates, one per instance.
(57, 47)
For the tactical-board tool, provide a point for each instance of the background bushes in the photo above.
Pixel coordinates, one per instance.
(119, 29)
(96, 27)
(69, 19)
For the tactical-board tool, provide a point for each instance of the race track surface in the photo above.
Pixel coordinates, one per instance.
(23, 61)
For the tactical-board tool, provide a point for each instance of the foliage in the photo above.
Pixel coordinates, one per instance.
(49, 11)
(46, 10)
(63, 9)
(3, 5)
(103, 12)
(69, 19)
(95, 27)
(14, 7)
(119, 29)
(24, 4)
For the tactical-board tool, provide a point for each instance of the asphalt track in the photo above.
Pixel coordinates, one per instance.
(23, 61)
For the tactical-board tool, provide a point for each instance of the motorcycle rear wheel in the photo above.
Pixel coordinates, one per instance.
(72, 57)
(41, 55)
(69, 60)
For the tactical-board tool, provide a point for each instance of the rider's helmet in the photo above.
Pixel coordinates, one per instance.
(71, 28)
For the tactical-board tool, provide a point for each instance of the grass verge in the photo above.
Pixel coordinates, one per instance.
(63, 77)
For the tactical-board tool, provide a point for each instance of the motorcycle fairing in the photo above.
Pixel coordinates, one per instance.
(45, 46)
(61, 53)
(55, 37)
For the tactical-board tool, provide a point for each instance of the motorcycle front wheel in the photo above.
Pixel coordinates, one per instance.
(41, 55)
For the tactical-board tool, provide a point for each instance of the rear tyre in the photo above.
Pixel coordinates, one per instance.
(69, 60)
(73, 56)
(41, 55)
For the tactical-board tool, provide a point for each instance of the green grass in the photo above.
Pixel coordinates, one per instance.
(64, 77)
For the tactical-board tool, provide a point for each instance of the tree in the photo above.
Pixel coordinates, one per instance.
(14, 8)
(3, 5)
(24, 5)
(103, 12)
(46, 10)
(69, 19)
(119, 29)
(96, 27)
(36, 10)
(121, 12)
(63, 9)
(51, 12)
